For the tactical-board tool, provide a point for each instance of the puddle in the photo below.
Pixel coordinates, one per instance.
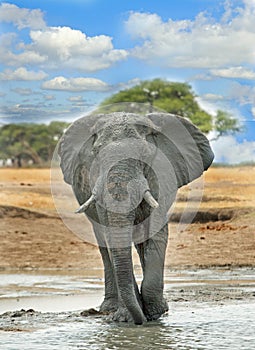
(209, 309)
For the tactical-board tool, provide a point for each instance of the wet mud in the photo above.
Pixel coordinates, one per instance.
(208, 309)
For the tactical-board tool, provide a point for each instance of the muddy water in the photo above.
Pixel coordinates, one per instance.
(209, 309)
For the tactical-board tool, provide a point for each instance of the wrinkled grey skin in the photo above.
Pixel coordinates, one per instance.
(112, 162)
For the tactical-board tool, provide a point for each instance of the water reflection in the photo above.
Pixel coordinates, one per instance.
(219, 327)
(186, 327)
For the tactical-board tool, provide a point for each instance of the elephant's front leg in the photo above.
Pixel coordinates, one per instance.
(110, 303)
(152, 256)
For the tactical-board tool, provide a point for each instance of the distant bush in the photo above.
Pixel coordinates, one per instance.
(29, 144)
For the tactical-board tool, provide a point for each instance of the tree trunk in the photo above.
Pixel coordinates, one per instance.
(33, 154)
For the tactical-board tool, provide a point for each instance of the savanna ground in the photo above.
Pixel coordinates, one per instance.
(33, 236)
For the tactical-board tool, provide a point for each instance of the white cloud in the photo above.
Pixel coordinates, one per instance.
(79, 101)
(75, 84)
(22, 74)
(227, 149)
(53, 47)
(234, 72)
(212, 97)
(64, 42)
(207, 105)
(128, 84)
(253, 111)
(244, 94)
(9, 58)
(9, 40)
(35, 113)
(23, 91)
(76, 99)
(202, 42)
(21, 17)
(73, 49)
(49, 97)
(201, 76)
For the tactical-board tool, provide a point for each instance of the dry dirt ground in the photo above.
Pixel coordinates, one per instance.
(222, 232)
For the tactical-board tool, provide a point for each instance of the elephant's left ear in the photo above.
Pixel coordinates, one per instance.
(183, 145)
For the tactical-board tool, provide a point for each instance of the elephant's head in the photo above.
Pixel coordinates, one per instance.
(125, 170)
(120, 168)
(118, 160)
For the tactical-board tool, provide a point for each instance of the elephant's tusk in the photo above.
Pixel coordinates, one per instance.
(150, 200)
(85, 205)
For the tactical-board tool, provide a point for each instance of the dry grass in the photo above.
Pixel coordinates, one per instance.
(33, 176)
(227, 188)
(27, 188)
(223, 188)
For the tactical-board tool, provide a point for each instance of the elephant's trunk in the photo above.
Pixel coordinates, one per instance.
(120, 245)
(122, 262)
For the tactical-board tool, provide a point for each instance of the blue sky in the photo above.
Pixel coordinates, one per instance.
(59, 59)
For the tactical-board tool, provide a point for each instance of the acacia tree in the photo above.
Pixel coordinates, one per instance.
(225, 124)
(177, 98)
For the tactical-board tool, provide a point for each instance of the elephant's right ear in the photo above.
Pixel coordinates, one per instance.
(75, 137)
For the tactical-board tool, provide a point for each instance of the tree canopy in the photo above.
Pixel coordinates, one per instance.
(177, 98)
(171, 97)
(225, 124)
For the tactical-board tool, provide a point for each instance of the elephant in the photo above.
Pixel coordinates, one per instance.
(125, 169)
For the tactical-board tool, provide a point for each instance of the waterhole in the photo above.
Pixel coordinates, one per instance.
(208, 309)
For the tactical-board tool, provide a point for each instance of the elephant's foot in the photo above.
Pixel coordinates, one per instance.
(122, 315)
(154, 310)
(109, 305)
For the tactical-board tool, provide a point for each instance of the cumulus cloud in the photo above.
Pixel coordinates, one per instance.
(73, 49)
(227, 149)
(51, 47)
(199, 43)
(75, 84)
(21, 17)
(9, 58)
(234, 72)
(22, 74)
